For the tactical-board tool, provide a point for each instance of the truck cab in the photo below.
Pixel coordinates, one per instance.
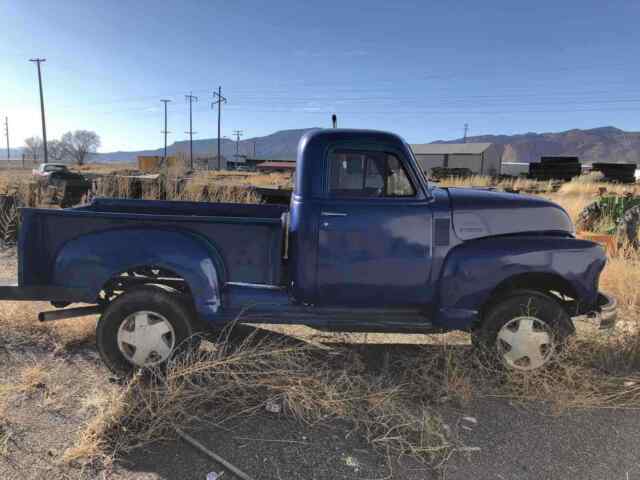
(366, 212)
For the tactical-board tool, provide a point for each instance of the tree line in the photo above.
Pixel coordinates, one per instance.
(72, 147)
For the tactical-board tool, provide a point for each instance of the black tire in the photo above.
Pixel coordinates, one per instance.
(629, 227)
(147, 298)
(549, 314)
(589, 217)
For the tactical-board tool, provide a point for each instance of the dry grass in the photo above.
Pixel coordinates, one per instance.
(31, 379)
(392, 408)
(101, 168)
(226, 187)
(516, 183)
(227, 382)
(20, 327)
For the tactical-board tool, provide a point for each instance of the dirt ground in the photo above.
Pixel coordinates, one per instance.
(49, 396)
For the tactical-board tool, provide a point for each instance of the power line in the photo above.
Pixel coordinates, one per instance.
(191, 98)
(238, 134)
(218, 100)
(165, 131)
(44, 125)
(6, 132)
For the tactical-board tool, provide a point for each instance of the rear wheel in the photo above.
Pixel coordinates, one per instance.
(524, 331)
(143, 328)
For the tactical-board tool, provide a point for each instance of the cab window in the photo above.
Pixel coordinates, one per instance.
(367, 174)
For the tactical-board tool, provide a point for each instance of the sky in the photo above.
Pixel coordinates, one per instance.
(420, 69)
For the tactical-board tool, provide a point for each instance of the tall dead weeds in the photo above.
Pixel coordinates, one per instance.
(222, 383)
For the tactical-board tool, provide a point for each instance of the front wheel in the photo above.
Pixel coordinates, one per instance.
(143, 328)
(524, 331)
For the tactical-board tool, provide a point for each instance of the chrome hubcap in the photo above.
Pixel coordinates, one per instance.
(146, 338)
(525, 343)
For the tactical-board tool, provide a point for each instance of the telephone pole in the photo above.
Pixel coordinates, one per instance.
(165, 131)
(238, 134)
(190, 98)
(466, 131)
(218, 99)
(6, 132)
(44, 126)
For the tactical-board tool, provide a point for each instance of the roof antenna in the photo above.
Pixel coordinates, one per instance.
(334, 120)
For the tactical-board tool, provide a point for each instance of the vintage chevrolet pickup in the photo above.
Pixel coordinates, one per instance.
(366, 244)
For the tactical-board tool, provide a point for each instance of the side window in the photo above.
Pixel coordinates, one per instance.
(398, 183)
(368, 174)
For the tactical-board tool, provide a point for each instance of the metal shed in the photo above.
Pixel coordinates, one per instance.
(480, 158)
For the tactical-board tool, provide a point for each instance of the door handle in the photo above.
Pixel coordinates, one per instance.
(333, 214)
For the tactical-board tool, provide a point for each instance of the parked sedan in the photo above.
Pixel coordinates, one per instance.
(46, 169)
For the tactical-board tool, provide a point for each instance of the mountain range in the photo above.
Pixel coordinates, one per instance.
(603, 144)
(281, 145)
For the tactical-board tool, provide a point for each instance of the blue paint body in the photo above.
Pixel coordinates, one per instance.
(383, 264)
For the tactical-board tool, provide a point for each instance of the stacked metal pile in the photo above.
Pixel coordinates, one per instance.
(439, 173)
(617, 172)
(555, 168)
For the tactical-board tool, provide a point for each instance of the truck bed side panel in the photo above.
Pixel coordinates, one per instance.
(250, 247)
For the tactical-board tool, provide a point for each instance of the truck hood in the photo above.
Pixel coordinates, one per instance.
(483, 213)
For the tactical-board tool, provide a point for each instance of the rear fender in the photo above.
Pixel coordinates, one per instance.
(474, 270)
(88, 262)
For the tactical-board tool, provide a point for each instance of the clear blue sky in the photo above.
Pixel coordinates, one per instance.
(421, 69)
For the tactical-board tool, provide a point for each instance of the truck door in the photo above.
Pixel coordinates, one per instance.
(374, 237)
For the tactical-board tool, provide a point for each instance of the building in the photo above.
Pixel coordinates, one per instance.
(480, 158)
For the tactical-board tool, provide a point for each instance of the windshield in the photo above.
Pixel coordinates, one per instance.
(420, 173)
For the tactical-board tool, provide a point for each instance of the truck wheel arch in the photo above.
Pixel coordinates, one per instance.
(543, 282)
(103, 256)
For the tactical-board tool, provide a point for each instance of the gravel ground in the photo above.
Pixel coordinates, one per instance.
(510, 441)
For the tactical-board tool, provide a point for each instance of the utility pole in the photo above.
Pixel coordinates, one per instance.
(238, 134)
(165, 131)
(6, 132)
(218, 99)
(466, 130)
(191, 98)
(44, 125)
(254, 149)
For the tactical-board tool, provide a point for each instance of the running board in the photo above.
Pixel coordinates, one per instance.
(339, 319)
(423, 326)
(260, 303)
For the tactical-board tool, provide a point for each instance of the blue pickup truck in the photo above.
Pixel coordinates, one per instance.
(367, 244)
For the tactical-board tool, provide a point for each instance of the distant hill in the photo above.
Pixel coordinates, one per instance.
(281, 145)
(604, 144)
(608, 144)
(16, 153)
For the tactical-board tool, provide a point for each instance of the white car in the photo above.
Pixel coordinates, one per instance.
(46, 169)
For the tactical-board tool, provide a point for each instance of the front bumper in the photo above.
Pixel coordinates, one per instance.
(605, 314)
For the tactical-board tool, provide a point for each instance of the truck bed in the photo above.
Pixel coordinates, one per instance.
(249, 238)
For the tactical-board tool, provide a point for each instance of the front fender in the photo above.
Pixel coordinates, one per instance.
(474, 269)
(90, 261)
